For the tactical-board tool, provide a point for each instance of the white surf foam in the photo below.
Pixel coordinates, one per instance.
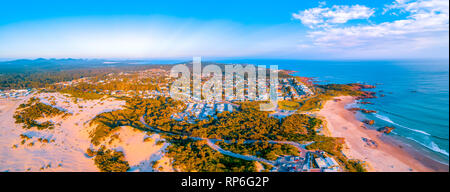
(432, 146)
(384, 118)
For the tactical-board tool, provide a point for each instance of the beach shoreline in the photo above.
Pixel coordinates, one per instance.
(381, 151)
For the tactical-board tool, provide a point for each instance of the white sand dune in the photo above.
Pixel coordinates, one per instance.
(63, 148)
(70, 138)
(140, 150)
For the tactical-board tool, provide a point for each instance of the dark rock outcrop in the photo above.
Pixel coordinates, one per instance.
(360, 86)
(385, 129)
(362, 110)
(367, 95)
(369, 122)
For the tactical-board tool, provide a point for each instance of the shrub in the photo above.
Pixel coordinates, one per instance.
(33, 110)
(111, 161)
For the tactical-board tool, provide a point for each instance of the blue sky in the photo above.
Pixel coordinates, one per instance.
(345, 29)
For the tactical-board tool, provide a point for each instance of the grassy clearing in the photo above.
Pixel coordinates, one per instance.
(288, 105)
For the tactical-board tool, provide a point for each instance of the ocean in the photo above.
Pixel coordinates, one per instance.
(415, 101)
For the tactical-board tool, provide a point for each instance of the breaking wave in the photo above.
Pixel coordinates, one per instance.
(433, 146)
(384, 118)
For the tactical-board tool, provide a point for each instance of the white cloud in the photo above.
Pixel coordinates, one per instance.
(419, 6)
(424, 28)
(337, 14)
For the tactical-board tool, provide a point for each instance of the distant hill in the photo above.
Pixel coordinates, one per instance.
(38, 73)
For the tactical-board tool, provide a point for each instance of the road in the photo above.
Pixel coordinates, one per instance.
(229, 153)
(211, 143)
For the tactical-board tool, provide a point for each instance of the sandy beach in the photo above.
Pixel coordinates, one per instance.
(380, 151)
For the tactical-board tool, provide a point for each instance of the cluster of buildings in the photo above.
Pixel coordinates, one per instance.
(15, 93)
(162, 91)
(288, 89)
(66, 84)
(319, 162)
(308, 162)
(201, 111)
(288, 164)
(202, 108)
(292, 89)
(131, 93)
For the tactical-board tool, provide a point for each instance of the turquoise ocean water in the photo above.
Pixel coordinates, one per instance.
(416, 100)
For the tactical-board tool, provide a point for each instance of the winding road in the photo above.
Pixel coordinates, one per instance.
(211, 143)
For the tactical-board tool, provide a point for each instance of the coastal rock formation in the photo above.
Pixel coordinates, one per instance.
(366, 102)
(360, 86)
(369, 122)
(289, 72)
(365, 94)
(386, 129)
(308, 81)
(362, 110)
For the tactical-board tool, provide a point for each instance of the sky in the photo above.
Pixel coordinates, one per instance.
(170, 29)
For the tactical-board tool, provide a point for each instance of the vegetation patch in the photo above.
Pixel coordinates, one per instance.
(28, 114)
(334, 146)
(196, 156)
(108, 160)
(288, 105)
(327, 92)
(297, 125)
(79, 92)
(249, 123)
(260, 149)
(314, 103)
(158, 113)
